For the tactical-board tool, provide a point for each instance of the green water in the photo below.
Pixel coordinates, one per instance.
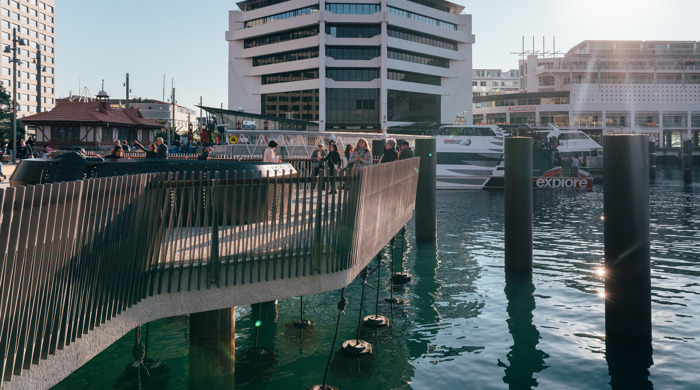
(463, 326)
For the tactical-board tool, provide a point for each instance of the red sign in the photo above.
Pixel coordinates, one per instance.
(522, 108)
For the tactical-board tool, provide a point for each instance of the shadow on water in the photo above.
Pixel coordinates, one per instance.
(628, 365)
(524, 359)
(427, 292)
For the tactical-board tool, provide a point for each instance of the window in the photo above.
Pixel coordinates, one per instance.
(347, 8)
(418, 58)
(352, 52)
(352, 74)
(422, 18)
(282, 16)
(65, 134)
(353, 30)
(424, 39)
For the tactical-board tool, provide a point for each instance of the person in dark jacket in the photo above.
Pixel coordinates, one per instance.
(390, 153)
(161, 149)
(150, 152)
(117, 152)
(406, 151)
(24, 150)
(205, 153)
(74, 165)
(125, 146)
(333, 161)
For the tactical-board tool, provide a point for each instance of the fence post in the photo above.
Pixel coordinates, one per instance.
(518, 204)
(626, 232)
(426, 219)
(687, 161)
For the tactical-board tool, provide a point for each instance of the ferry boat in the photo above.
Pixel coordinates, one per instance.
(472, 157)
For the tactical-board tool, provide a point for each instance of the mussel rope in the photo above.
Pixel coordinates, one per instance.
(379, 272)
(364, 274)
(342, 304)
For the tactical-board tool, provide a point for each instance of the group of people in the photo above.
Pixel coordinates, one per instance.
(353, 157)
(155, 150)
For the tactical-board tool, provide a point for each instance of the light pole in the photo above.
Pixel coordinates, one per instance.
(14, 60)
(39, 69)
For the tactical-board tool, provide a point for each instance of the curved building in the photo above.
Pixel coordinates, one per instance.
(605, 87)
(356, 65)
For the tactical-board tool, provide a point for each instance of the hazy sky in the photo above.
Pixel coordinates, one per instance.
(184, 41)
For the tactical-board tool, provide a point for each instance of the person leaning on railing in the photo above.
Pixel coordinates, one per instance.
(74, 165)
(362, 155)
(334, 161)
(150, 152)
(117, 152)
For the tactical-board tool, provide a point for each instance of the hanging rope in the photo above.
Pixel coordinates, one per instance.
(342, 304)
(139, 353)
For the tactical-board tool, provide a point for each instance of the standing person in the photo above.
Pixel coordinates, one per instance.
(205, 153)
(125, 146)
(161, 148)
(390, 153)
(117, 152)
(6, 148)
(334, 161)
(3, 150)
(24, 150)
(150, 152)
(270, 155)
(316, 156)
(347, 155)
(362, 155)
(406, 151)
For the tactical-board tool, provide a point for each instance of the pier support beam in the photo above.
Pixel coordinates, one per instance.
(518, 204)
(626, 232)
(652, 161)
(212, 347)
(426, 215)
(687, 161)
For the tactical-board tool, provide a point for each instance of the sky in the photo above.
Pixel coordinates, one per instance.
(183, 42)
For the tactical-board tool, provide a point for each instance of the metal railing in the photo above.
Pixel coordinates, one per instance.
(74, 255)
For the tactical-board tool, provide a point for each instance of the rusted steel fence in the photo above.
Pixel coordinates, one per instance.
(74, 255)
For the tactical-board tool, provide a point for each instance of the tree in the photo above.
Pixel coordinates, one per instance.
(6, 117)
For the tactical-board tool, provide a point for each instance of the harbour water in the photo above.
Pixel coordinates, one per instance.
(463, 325)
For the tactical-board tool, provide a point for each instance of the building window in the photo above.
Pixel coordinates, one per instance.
(281, 37)
(287, 77)
(411, 77)
(276, 104)
(353, 9)
(353, 30)
(424, 39)
(352, 107)
(359, 53)
(418, 58)
(403, 106)
(65, 134)
(352, 74)
(289, 56)
(421, 18)
(282, 16)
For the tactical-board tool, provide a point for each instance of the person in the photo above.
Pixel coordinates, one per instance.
(47, 152)
(3, 150)
(205, 153)
(150, 152)
(316, 156)
(362, 155)
(24, 150)
(576, 163)
(74, 165)
(117, 152)
(406, 151)
(161, 149)
(125, 146)
(347, 155)
(390, 153)
(270, 155)
(333, 159)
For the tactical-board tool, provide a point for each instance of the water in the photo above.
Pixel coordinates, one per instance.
(463, 326)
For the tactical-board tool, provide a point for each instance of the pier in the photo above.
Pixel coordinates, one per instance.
(84, 262)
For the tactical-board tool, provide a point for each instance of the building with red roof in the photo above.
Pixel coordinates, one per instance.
(91, 125)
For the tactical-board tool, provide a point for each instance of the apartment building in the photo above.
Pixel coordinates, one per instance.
(32, 24)
(351, 65)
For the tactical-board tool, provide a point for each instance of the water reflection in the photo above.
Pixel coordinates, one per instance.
(628, 365)
(524, 359)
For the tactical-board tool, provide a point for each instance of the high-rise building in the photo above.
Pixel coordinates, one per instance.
(32, 23)
(355, 65)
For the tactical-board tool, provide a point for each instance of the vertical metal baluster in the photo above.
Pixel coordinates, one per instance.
(182, 226)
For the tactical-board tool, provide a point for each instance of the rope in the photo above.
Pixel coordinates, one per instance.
(364, 274)
(342, 304)
(379, 272)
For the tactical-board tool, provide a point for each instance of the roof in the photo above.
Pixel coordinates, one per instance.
(91, 112)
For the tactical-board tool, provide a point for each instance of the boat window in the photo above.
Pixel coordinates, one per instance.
(564, 136)
(467, 131)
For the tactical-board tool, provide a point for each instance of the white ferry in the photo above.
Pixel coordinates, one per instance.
(472, 157)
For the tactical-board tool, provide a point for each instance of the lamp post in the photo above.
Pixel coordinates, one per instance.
(14, 60)
(39, 69)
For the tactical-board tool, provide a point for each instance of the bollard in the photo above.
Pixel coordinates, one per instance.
(652, 161)
(518, 204)
(212, 347)
(426, 218)
(626, 234)
(688, 161)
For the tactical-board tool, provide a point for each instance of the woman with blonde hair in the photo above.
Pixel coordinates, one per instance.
(362, 155)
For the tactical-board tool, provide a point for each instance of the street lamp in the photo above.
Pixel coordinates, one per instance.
(39, 69)
(15, 41)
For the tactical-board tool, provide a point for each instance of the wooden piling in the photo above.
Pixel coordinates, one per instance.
(518, 204)
(426, 215)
